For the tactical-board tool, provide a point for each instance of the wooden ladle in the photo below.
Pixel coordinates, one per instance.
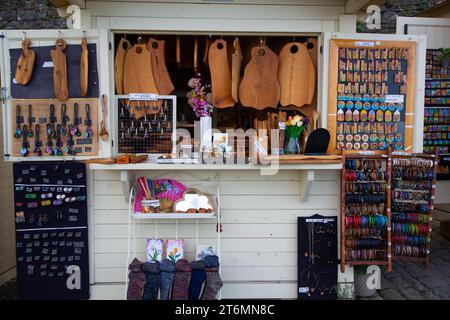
(103, 132)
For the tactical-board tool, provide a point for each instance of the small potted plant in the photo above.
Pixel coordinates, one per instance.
(444, 58)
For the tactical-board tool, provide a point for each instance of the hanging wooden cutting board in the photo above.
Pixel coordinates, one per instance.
(296, 75)
(236, 64)
(138, 78)
(60, 70)
(220, 75)
(259, 87)
(123, 47)
(84, 67)
(160, 74)
(24, 67)
(312, 50)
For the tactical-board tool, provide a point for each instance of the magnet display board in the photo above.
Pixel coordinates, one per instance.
(50, 202)
(371, 95)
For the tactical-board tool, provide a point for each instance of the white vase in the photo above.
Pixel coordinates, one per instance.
(205, 132)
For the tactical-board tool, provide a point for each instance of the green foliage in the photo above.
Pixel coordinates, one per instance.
(445, 54)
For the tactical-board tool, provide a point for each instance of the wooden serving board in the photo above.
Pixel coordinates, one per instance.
(119, 61)
(138, 78)
(160, 74)
(259, 87)
(84, 68)
(41, 113)
(236, 65)
(25, 64)
(60, 70)
(220, 75)
(296, 75)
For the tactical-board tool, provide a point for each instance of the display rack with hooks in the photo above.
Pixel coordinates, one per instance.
(134, 218)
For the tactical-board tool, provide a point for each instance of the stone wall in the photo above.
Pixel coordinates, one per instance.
(29, 14)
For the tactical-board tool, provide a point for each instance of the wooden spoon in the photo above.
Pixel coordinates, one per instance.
(60, 70)
(84, 68)
(24, 67)
(103, 132)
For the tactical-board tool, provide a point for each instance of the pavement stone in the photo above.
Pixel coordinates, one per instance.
(411, 293)
(443, 292)
(433, 282)
(392, 294)
(428, 295)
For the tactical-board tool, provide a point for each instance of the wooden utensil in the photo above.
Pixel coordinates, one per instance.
(60, 70)
(195, 55)
(205, 55)
(236, 64)
(123, 47)
(178, 53)
(296, 75)
(103, 132)
(138, 78)
(161, 75)
(84, 67)
(25, 64)
(220, 75)
(259, 87)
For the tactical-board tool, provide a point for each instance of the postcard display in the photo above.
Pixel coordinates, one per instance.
(51, 230)
(317, 257)
(371, 92)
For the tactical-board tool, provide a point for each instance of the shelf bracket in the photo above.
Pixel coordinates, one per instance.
(306, 180)
(125, 180)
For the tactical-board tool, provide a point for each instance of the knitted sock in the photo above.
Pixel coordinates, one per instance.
(181, 281)
(167, 268)
(213, 280)
(136, 281)
(153, 275)
(198, 276)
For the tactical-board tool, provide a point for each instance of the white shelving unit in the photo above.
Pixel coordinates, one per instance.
(135, 217)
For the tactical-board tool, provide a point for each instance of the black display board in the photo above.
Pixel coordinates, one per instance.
(317, 257)
(51, 230)
(41, 83)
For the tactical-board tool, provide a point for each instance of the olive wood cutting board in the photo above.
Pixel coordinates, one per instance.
(84, 67)
(220, 75)
(259, 87)
(296, 75)
(119, 60)
(160, 74)
(138, 78)
(60, 70)
(25, 64)
(236, 65)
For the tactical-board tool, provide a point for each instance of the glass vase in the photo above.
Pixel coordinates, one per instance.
(292, 146)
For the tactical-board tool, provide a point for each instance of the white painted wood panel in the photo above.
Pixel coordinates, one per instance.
(259, 239)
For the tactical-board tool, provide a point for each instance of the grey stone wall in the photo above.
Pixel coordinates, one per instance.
(29, 14)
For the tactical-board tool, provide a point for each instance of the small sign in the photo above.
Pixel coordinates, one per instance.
(394, 98)
(364, 43)
(48, 64)
(143, 96)
(282, 125)
(84, 141)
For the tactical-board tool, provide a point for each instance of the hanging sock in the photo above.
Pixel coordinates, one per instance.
(198, 277)
(213, 280)
(167, 268)
(181, 281)
(136, 280)
(153, 275)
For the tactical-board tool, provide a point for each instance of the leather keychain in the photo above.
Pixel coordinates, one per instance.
(37, 143)
(64, 119)
(25, 144)
(70, 142)
(58, 151)
(76, 121)
(18, 131)
(30, 121)
(49, 148)
(51, 129)
(88, 132)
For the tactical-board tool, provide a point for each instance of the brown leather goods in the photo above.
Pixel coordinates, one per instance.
(84, 67)
(296, 75)
(119, 60)
(236, 65)
(60, 70)
(259, 88)
(160, 74)
(220, 75)
(25, 64)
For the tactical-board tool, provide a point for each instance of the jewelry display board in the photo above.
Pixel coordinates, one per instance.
(365, 210)
(371, 94)
(50, 202)
(317, 257)
(413, 188)
(61, 133)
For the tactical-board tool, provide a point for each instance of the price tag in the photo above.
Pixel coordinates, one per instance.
(48, 64)
(364, 43)
(367, 153)
(282, 125)
(260, 149)
(143, 96)
(303, 290)
(394, 98)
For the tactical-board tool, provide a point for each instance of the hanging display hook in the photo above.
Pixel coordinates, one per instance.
(60, 34)
(24, 35)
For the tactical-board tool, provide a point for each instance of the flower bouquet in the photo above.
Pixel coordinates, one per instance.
(294, 129)
(198, 98)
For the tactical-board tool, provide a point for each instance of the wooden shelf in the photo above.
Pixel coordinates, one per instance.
(366, 262)
(144, 216)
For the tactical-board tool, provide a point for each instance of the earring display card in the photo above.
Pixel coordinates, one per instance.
(44, 128)
(371, 94)
(317, 258)
(51, 230)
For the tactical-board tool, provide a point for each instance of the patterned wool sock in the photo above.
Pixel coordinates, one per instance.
(136, 281)
(167, 268)
(181, 282)
(153, 275)
(213, 280)
(198, 276)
